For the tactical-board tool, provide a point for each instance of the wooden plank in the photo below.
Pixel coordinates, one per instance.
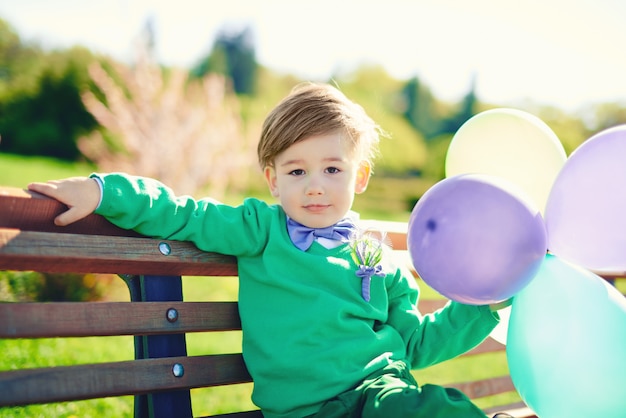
(67, 383)
(30, 211)
(488, 346)
(83, 319)
(73, 253)
(485, 387)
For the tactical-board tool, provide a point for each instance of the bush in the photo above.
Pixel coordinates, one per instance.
(47, 116)
(48, 287)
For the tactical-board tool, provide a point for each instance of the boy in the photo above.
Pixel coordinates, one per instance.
(330, 325)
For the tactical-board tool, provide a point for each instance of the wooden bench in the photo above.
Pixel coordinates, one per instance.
(162, 374)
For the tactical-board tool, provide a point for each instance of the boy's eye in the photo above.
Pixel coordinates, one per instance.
(296, 172)
(332, 170)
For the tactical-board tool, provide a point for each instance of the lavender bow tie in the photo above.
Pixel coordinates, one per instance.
(303, 236)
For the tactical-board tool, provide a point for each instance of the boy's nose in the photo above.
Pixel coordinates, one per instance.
(314, 187)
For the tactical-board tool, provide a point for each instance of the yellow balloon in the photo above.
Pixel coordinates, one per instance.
(510, 144)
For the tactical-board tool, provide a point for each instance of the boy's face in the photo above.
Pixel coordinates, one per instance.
(316, 179)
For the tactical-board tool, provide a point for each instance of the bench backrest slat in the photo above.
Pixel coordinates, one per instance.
(65, 383)
(84, 319)
(485, 387)
(75, 253)
(30, 211)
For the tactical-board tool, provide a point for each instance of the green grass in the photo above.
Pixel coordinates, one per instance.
(17, 354)
(18, 171)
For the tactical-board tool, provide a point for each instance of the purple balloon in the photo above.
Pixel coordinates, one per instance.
(476, 239)
(586, 208)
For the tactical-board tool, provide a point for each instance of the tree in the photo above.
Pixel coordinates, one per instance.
(466, 109)
(185, 133)
(232, 55)
(419, 108)
(9, 51)
(607, 115)
(432, 118)
(42, 113)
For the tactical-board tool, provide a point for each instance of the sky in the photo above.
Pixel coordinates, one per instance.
(566, 53)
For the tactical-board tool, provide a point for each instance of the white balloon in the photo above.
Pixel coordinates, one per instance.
(510, 144)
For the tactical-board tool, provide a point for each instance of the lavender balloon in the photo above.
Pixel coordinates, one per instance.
(586, 209)
(476, 239)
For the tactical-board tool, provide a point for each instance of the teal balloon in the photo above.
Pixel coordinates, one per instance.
(566, 344)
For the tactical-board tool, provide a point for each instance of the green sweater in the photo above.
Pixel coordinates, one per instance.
(308, 334)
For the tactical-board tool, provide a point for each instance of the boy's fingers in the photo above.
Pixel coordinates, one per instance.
(43, 188)
(70, 216)
(80, 194)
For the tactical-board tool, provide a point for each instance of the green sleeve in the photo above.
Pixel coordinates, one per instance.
(152, 209)
(438, 336)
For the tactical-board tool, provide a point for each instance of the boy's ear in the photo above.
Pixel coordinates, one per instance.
(270, 178)
(362, 177)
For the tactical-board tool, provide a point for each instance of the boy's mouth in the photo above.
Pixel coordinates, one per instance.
(316, 208)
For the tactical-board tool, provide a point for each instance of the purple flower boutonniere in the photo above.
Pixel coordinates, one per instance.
(367, 253)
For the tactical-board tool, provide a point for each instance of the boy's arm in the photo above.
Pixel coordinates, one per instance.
(450, 332)
(80, 194)
(437, 336)
(151, 208)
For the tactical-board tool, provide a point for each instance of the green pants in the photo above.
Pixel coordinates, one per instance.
(393, 392)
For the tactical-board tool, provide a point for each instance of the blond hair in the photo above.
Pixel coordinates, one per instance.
(316, 109)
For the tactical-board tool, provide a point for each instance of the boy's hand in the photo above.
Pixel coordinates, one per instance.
(80, 194)
(501, 305)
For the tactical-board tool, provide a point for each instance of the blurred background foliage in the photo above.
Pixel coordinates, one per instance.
(196, 129)
(50, 101)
